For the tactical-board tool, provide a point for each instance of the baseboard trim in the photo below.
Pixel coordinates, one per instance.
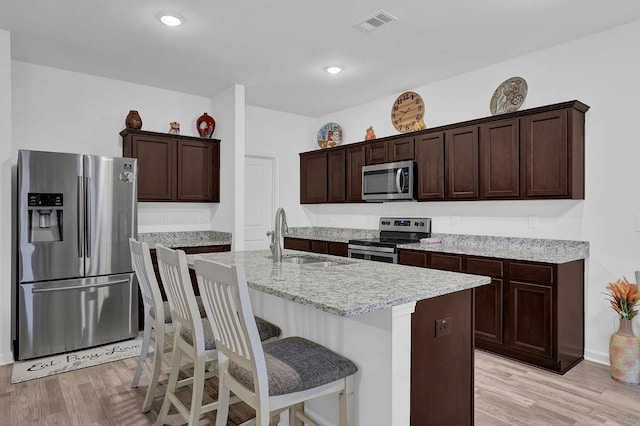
(6, 358)
(599, 357)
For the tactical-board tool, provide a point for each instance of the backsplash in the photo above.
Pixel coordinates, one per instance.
(341, 235)
(185, 238)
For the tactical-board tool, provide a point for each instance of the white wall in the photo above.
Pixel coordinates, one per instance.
(57, 110)
(228, 109)
(281, 135)
(600, 70)
(6, 281)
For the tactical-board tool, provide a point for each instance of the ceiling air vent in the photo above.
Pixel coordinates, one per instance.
(375, 21)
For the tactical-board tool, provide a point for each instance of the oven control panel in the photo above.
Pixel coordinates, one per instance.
(406, 224)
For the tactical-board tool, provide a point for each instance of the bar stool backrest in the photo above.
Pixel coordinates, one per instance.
(225, 296)
(174, 272)
(149, 288)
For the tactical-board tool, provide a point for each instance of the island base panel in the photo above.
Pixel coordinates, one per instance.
(442, 367)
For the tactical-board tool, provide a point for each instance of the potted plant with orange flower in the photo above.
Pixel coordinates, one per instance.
(624, 346)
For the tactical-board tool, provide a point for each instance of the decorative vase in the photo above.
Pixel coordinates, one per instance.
(624, 354)
(206, 125)
(133, 120)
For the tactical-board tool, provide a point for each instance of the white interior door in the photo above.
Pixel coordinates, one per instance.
(259, 203)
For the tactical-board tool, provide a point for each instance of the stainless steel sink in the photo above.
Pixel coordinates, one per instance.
(319, 262)
(299, 260)
(326, 264)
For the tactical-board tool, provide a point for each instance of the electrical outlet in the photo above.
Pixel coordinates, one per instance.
(200, 218)
(455, 220)
(533, 221)
(165, 219)
(443, 327)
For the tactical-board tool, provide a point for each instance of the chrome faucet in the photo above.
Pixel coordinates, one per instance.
(276, 235)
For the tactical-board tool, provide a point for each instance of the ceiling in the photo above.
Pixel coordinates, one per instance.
(278, 49)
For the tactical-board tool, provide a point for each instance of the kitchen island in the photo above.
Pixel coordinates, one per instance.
(363, 310)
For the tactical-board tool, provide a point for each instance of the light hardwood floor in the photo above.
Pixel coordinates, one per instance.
(506, 392)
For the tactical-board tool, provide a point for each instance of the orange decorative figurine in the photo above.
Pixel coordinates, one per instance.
(370, 134)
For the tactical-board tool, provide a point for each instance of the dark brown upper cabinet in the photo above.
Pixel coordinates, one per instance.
(377, 152)
(530, 154)
(197, 162)
(401, 149)
(355, 159)
(336, 169)
(174, 168)
(547, 155)
(462, 162)
(500, 159)
(313, 177)
(430, 166)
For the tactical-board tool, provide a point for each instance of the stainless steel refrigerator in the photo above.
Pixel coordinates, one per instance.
(76, 286)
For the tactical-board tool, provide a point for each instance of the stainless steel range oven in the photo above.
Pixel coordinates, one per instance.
(393, 231)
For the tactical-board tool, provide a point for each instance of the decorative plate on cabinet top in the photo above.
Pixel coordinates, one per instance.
(509, 96)
(329, 135)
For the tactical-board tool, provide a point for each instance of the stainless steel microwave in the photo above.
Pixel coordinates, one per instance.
(388, 181)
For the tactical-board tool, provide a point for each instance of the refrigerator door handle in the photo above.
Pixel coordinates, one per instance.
(79, 217)
(87, 215)
(78, 287)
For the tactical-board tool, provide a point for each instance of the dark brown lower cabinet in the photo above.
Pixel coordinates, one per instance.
(192, 274)
(442, 366)
(531, 311)
(488, 311)
(531, 318)
(316, 246)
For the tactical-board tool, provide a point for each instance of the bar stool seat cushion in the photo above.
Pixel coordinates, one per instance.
(265, 329)
(167, 310)
(296, 364)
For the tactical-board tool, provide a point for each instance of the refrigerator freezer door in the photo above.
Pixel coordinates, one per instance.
(111, 212)
(50, 240)
(60, 316)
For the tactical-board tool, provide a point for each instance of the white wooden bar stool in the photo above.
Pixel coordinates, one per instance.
(157, 316)
(154, 319)
(192, 336)
(277, 376)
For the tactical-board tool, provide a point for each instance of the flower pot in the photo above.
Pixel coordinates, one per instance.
(624, 354)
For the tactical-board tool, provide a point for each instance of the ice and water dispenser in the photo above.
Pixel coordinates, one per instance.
(45, 217)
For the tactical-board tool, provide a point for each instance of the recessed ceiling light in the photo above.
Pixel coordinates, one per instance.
(334, 69)
(170, 19)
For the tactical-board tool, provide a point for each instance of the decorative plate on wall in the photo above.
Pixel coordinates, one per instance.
(329, 135)
(509, 96)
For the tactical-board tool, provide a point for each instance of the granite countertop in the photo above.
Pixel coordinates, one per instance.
(529, 249)
(185, 238)
(354, 287)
